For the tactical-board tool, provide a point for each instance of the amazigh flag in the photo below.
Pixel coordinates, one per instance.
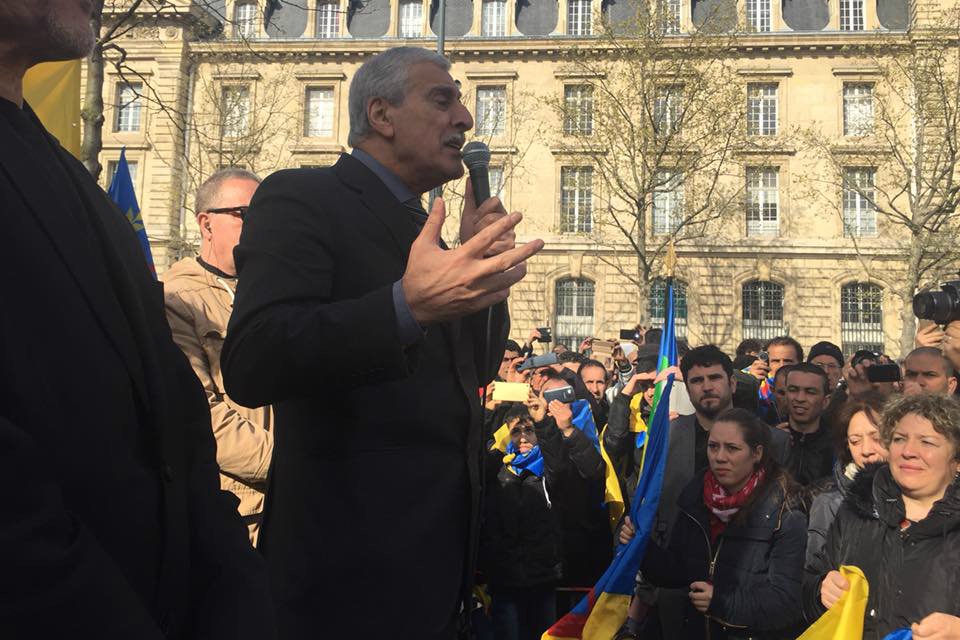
(53, 91)
(121, 192)
(603, 610)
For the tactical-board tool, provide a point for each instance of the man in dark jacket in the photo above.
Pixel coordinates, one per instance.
(587, 540)
(370, 341)
(811, 450)
(114, 525)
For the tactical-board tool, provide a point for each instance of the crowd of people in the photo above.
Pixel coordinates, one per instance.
(780, 469)
(287, 441)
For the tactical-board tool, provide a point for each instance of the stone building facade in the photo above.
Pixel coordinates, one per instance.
(264, 84)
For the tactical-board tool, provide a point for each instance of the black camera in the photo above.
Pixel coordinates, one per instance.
(545, 334)
(943, 307)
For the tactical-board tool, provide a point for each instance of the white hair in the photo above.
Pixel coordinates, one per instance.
(384, 76)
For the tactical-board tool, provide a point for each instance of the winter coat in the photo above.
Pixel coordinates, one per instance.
(198, 305)
(811, 455)
(911, 573)
(826, 502)
(620, 444)
(520, 538)
(755, 566)
(587, 539)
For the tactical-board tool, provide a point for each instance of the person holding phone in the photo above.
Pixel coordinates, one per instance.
(587, 542)
(520, 541)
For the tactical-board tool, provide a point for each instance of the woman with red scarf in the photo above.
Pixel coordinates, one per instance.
(739, 541)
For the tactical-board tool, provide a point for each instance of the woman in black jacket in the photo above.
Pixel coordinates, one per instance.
(856, 441)
(738, 542)
(520, 545)
(900, 524)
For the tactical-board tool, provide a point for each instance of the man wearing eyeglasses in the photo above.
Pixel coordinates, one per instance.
(198, 294)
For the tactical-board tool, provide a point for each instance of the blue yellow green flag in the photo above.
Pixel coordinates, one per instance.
(121, 192)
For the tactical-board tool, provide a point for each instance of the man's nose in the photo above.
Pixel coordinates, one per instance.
(462, 118)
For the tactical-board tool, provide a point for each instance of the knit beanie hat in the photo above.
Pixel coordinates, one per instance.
(826, 349)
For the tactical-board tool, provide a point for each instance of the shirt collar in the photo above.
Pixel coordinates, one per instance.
(390, 180)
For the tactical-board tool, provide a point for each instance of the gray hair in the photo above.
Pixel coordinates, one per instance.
(384, 76)
(210, 188)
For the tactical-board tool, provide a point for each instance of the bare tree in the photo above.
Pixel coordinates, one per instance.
(893, 180)
(656, 120)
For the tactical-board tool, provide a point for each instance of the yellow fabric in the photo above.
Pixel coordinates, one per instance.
(613, 494)
(637, 425)
(844, 620)
(501, 438)
(53, 91)
(606, 617)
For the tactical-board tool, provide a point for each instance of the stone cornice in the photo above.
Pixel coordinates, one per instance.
(746, 248)
(521, 48)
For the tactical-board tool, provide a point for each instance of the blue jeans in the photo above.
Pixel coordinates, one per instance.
(522, 614)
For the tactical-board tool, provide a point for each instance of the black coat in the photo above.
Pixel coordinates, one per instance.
(113, 523)
(911, 574)
(756, 566)
(375, 484)
(811, 455)
(521, 541)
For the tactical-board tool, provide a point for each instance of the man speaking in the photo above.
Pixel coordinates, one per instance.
(370, 340)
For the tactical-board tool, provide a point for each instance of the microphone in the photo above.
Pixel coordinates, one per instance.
(476, 156)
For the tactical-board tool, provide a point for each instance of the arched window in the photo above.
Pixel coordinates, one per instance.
(658, 309)
(762, 310)
(245, 19)
(328, 19)
(861, 317)
(574, 311)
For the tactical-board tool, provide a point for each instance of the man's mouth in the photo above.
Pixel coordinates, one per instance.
(455, 143)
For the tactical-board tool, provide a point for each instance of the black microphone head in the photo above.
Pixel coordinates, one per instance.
(476, 155)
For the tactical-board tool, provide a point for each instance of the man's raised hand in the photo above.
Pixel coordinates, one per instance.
(474, 219)
(441, 285)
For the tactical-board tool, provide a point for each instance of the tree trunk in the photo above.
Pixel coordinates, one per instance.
(92, 111)
(911, 283)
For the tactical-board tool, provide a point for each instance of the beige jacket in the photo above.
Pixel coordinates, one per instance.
(198, 305)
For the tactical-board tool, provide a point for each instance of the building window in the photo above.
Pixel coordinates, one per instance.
(245, 20)
(328, 19)
(411, 19)
(576, 199)
(318, 113)
(112, 171)
(574, 319)
(857, 109)
(495, 174)
(859, 214)
(861, 317)
(491, 111)
(578, 112)
(667, 202)
(128, 107)
(235, 111)
(658, 309)
(578, 18)
(493, 18)
(670, 16)
(851, 15)
(762, 109)
(762, 310)
(758, 15)
(667, 110)
(763, 201)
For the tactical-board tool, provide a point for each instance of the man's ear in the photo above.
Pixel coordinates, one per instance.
(203, 221)
(733, 384)
(379, 114)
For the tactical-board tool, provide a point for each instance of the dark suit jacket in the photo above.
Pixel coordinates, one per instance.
(371, 518)
(113, 524)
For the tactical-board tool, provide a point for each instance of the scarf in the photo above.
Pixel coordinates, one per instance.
(722, 505)
(531, 461)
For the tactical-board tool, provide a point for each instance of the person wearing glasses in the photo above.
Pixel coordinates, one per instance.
(198, 295)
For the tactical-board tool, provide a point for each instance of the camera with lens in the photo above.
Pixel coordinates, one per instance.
(943, 307)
